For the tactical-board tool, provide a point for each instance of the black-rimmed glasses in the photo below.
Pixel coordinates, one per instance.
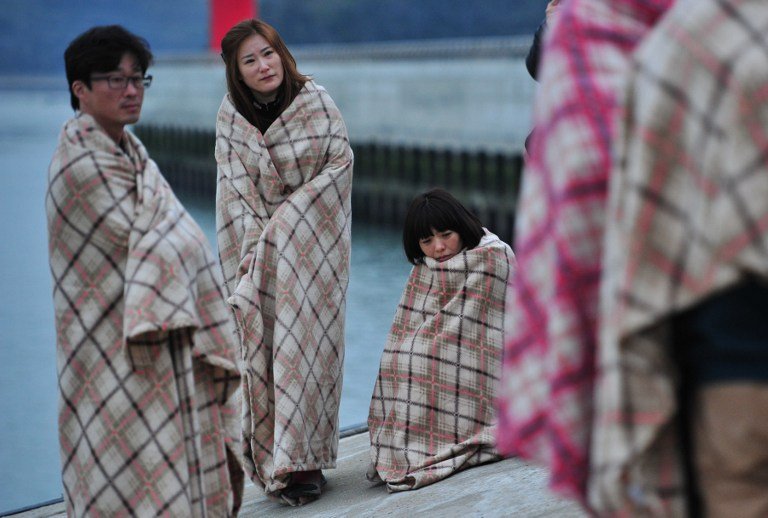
(121, 82)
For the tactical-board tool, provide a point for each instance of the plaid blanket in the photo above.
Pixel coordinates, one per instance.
(688, 218)
(283, 224)
(545, 408)
(148, 373)
(432, 408)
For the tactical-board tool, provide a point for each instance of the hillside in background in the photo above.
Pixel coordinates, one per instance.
(346, 21)
(35, 32)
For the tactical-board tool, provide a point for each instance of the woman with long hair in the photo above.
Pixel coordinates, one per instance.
(283, 227)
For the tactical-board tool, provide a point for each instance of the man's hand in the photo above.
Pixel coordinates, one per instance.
(551, 9)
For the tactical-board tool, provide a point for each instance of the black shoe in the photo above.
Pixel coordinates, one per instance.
(305, 489)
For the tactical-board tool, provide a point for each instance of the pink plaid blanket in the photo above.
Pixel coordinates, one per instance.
(545, 408)
(148, 376)
(283, 223)
(688, 218)
(432, 408)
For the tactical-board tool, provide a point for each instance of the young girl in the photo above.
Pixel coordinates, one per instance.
(432, 408)
(284, 184)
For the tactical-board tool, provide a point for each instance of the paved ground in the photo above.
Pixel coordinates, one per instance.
(507, 488)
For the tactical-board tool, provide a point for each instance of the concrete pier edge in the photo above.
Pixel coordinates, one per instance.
(509, 487)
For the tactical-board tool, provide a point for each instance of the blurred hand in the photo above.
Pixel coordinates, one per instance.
(551, 9)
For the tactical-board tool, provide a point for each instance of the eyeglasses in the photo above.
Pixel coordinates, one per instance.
(121, 82)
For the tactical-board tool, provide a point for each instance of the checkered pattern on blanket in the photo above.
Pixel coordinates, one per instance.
(148, 376)
(688, 218)
(432, 409)
(283, 225)
(545, 409)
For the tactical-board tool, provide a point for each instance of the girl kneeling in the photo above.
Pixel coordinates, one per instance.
(432, 408)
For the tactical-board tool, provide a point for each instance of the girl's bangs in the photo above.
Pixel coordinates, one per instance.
(434, 216)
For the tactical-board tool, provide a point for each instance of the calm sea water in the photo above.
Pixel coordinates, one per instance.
(29, 454)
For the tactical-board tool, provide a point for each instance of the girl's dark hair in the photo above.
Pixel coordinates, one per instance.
(241, 95)
(100, 49)
(438, 209)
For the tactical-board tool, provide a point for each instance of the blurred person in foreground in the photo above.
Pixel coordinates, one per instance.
(546, 393)
(533, 58)
(283, 226)
(682, 403)
(147, 362)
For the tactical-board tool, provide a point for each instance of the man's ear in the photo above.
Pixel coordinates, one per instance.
(79, 88)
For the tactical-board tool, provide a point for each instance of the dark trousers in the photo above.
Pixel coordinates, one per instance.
(721, 347)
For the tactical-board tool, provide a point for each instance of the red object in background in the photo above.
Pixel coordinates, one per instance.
(225, 14)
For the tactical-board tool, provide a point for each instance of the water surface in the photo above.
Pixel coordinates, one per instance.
(29, 453)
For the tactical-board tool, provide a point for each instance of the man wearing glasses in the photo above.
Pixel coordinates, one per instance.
(111, 94)
(147, 361)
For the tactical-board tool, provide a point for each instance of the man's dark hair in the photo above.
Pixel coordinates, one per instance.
(100, 49)
(437, 209)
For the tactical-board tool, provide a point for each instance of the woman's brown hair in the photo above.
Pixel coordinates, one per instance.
(241, 95)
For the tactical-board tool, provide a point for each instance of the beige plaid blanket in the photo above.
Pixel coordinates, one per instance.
(283, 224)
(688, 217)
(148, 376)
(432, 410)
(547, 388)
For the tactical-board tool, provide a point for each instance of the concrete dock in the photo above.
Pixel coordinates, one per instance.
(507, 488)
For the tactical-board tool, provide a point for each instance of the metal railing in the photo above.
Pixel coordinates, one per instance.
(386, 176)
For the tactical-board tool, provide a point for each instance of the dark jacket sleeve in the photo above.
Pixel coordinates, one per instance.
(534, 53)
